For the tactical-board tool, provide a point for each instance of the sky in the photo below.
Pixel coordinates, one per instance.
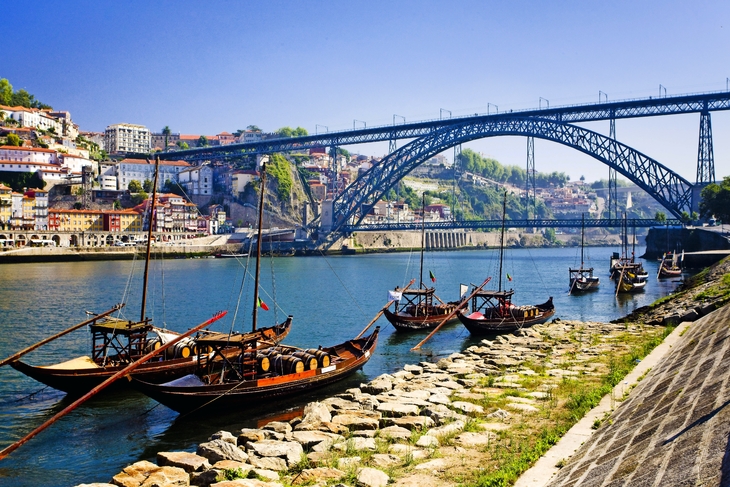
(210, 67)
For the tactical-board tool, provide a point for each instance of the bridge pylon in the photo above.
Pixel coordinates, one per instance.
(530, 180)
(705, 159)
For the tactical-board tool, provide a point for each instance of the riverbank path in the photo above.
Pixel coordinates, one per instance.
(674, 427)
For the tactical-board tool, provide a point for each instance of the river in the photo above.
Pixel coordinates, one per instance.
(331, 298)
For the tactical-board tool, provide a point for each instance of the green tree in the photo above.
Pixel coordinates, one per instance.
(253, 128)
(134, 186)
(147, 186)
(203, 141)
(660, 217)
(14, 140)
(183, 145)
(166, 132)
(6, 92)
(285, 132)
(716, 200)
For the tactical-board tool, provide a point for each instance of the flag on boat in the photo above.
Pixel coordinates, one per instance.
(262, 305)
(509, 278)
(463, 289)
(394, 295)
(433, 278)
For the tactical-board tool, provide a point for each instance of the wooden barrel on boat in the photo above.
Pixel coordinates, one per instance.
(322, 357)
(263, 362)
(309, 360)
(153, 344)
(182, 349)
(292, 364)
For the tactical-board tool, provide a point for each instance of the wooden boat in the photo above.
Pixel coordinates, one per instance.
(493, 311)
(582, 279)
(117, 343)
(670, 267)
(415, 309)
(224, 383)
(630, 275)
(630, 283)
(257, 371)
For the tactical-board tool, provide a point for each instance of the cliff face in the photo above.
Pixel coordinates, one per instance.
(660, 240)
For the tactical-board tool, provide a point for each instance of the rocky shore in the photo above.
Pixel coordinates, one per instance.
(484, 414)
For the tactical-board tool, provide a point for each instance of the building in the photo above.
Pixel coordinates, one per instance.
(28, 154)
(34, 118)
(157, 140)
(140, 170)
(127, 138)
(38, 209)
(6, 206)
(197, 180)
(239, 180)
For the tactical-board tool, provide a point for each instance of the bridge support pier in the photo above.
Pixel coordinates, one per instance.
(530, 183)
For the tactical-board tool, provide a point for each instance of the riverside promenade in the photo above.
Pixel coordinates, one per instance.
(674, 428)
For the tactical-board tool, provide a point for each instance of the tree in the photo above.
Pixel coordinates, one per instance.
(6, 92)
(166, 132)
(14, 140)
(660, 217)
(183, 145)
(203, 141)
(253, 128)
(147, 185)
(139, 198)
(716, 200)
(134, 186)
(290, 132)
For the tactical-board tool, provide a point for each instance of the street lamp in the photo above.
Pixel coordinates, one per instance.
(326, 129)
(399, 116)
(599, 96)
(495, 106)
(660, 91)
(442, 110)
(539, 102)
(364, 125)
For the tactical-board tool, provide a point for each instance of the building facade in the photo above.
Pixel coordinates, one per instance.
(126, 137)
(197, 180)
(140, 170)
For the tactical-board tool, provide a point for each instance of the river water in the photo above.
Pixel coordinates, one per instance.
(331, 298)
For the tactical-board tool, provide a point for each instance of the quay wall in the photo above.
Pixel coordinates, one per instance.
(689, 239)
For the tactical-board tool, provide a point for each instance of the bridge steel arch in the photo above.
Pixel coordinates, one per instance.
(670, 189)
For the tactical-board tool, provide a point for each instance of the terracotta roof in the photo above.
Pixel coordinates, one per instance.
(55, 166)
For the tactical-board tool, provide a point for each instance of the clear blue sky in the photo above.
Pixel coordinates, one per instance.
(208, 67)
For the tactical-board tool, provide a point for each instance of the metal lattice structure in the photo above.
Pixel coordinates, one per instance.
(492, 224)
(668, 188)
(530, 180)
(705, 156)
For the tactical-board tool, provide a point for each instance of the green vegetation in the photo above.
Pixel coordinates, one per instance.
(716, 200)
(203, 141)
(22, 98)
(492, 169)
(278, 167)
(19, 180)
(134, 186)
(13, 140)
(290, 132)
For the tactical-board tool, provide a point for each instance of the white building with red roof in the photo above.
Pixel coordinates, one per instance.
(140, 170)
(28, 154)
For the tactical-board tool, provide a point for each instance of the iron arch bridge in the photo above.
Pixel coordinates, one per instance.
(668, 188)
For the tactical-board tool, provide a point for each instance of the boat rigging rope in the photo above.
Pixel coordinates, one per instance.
(343, 284)
(537, 271)
(125, 295)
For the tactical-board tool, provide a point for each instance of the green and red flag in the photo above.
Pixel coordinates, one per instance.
(262, 305)
(509, 278)
(433, 278)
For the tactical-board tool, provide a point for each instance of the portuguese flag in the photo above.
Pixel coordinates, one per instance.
(262, 305)
(433, 278)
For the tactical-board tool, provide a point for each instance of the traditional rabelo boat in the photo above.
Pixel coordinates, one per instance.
(670, 266)
(630, 275)
(582, 279)
(258, 370)
(493, 311)
(415, 309)
(117, 343)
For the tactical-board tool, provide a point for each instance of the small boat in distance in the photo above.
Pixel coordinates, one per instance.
(493, 311)
(671, 267)
(582, 279)
(630, 276)
(414, 309)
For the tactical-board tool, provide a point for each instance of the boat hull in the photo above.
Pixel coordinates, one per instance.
(247, 394)
(490, 326)
(415, 323)
(583, 286)
(79, 380)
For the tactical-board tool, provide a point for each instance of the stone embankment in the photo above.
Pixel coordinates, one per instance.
(427, 425)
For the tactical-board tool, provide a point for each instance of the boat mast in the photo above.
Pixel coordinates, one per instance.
(423, 233)
(501, 240)
(582, 237)
(149, 238)
(258, 248)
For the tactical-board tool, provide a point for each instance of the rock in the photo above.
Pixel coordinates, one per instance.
(321, 474)
(365, 433)
(221, 450)
(190, 462)
(231, 465)
(340, 404)
(274, 435)
(384, 460)
(347, 462)
(522, 407)
(208, 477)
(450, 384)
(146, 473)
(440, 399)
(246, 483)
(279, 427)
(427, 441)
(397, 409)
(310, 438)
(499, 414)
(380, 384)
(405, 450)
(266, 474)
(395, 432)
(356, 422)
(356, 444)
(690, 315)
(225, 436)
(421, 480)
(410, 422)
(319, 457)
(437, 465)
(268, 463)
(249, 434)
(316, 412)
(467, 407)
(446, 429)
(330, 427)
(413, 369)
(468, 439)
(440, 413)
(372, 477)
(290, 450)
(96, 484)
